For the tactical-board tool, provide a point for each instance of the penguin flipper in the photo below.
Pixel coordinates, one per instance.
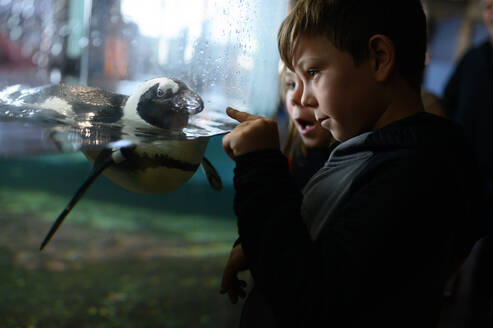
(102, 162)
(211, 174)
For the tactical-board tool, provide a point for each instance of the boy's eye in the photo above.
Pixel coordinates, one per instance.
(312, 72)
(290, 85)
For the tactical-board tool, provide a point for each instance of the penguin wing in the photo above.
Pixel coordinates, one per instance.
(211, 174)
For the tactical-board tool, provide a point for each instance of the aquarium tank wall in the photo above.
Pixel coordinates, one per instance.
(124, 259)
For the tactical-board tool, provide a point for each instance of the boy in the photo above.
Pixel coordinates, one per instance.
(378, 230)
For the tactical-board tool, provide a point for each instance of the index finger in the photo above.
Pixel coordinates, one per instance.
(239, 115)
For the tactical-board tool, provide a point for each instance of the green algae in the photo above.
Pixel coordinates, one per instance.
(171, 292)
(120, 259)
(91, 277)
(107, 215)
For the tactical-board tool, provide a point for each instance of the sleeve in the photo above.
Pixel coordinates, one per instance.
(365, 247)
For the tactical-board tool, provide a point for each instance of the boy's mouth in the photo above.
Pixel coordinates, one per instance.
(305, 126)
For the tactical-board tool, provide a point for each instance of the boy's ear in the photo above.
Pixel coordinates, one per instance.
(382, 56)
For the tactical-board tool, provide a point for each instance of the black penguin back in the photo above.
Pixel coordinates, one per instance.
(106, 106)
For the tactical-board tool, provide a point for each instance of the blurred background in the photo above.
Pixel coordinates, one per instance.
(454, 27)
(124, 259)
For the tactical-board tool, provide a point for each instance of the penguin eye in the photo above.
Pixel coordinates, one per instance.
(163, 94)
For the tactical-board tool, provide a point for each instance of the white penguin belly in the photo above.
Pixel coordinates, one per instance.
(155, 178)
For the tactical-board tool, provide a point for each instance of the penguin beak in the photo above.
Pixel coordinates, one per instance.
(188, 101)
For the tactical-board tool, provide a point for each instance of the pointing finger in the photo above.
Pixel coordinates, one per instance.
(240, 116)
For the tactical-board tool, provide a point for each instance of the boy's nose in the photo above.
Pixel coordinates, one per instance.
(307, 99)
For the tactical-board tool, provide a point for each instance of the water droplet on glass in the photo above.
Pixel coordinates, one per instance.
(83, 42)
(45, 45)
(16, 8)
(35, 58)
(13, 21)
(15, 33)
(64, 30)
(97, 42)
(43, 60)
(28, 11)
(55, 76)
(56, 49)
(58, 6)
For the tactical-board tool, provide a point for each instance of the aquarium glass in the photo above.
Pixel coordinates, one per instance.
(125, 259)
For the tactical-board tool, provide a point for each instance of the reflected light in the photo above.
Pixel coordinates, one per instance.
(246, 62)
(226, 22)
(158, 18)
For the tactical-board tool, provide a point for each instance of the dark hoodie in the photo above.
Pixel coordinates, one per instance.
(375, 234)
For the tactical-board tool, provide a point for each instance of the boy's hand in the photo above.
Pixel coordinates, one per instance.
(230, 283)
(253, 133)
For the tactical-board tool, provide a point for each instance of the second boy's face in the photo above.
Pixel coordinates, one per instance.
(310, 131)
(343, 96)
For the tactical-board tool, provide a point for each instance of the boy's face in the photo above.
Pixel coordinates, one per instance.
(310, 131)
(345, 98)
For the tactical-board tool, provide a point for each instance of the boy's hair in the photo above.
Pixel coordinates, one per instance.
(349, 24)
(292, 3)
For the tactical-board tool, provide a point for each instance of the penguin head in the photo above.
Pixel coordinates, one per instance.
(163, 102)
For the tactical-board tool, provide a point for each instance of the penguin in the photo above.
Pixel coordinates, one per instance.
(158, 105)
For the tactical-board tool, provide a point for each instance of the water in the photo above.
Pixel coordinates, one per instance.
(121, 259)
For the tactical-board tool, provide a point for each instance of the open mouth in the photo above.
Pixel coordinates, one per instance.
(305, 126)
